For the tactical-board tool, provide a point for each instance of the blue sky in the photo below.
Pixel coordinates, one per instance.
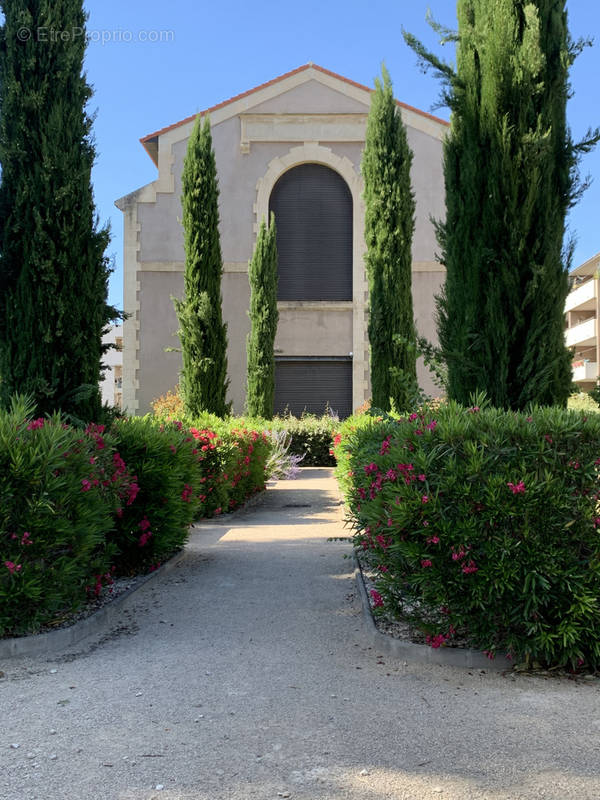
(211, 51)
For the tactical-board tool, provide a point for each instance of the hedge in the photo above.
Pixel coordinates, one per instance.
(57, 504)
(311, 435)
(78, 507)
(484, 524)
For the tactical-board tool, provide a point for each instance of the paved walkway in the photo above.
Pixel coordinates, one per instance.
(245, 675)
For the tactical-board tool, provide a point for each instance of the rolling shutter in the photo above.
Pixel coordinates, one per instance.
(313, 213)
(312, 385)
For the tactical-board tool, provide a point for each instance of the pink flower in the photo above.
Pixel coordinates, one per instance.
(458, 555)
(433, 540)
(377, 598)
(425, 523)
(518, 488)
(385, 446)
(85, 485)
(413, 417)
(425, 499)
(548, 439)
(26, 539)
(469, 568)
(473, 409)
(432, 425)
(35, 424)
(132, 492)
(437, 640)
(370, 468)
(426, 563)
(12, 567)
(144, 524)
(422, 478)
(172, 448)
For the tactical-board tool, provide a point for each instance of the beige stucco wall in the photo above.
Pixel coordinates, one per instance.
(154, 259)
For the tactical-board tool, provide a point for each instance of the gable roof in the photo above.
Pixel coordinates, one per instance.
(150, 142)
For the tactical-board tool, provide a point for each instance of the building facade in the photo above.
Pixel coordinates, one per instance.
(294, 146)
(112, 361)
(582, 309)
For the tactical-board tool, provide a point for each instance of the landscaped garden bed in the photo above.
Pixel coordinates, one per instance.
(483, 525)
(80, 507)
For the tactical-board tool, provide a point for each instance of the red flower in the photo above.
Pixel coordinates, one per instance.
(518, 488)
(35, 424)
(377, 598)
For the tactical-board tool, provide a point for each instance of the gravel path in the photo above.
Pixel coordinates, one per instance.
(245, 674)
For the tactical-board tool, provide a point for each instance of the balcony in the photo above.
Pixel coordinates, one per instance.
(583, 298)
(585, 371)
(582, 335)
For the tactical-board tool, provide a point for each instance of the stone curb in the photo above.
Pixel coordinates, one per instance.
(421, 653)
(102, 620)
(39, 644)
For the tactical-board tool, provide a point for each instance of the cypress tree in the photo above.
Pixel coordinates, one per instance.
(53, 271)
(389, 226)
(202, 333)
(262, 274)
(510, 169)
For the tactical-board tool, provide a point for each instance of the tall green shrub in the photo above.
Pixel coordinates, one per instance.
(482, 523)
(53, 271)
(262, 274)
(389, 226)
(202, 332)
(511, 175)
(57, 500)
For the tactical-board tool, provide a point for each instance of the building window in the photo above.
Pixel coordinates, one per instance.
(313, 213)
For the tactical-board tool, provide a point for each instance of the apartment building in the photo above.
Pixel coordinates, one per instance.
(112, 383)
(582, 330)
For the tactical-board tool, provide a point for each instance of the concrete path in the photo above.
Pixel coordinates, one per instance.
(245, 675)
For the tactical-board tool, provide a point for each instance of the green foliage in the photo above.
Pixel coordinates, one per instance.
(510, 171)
(54, 514)
(389, 226)
(154, 521)
(202, 332)
(53, 271)
(311, 437)
(582, 401)
(262, 274)
(483, 523)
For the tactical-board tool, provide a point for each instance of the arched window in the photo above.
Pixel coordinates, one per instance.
(313, 213)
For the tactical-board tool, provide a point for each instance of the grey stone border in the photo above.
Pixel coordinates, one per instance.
(421, 653)
(102, 620)
(106, 617)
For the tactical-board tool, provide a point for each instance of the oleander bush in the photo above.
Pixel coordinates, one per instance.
(58, 495)
(81, 505)
(310, 435)
(484, 524)
(154, 522)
